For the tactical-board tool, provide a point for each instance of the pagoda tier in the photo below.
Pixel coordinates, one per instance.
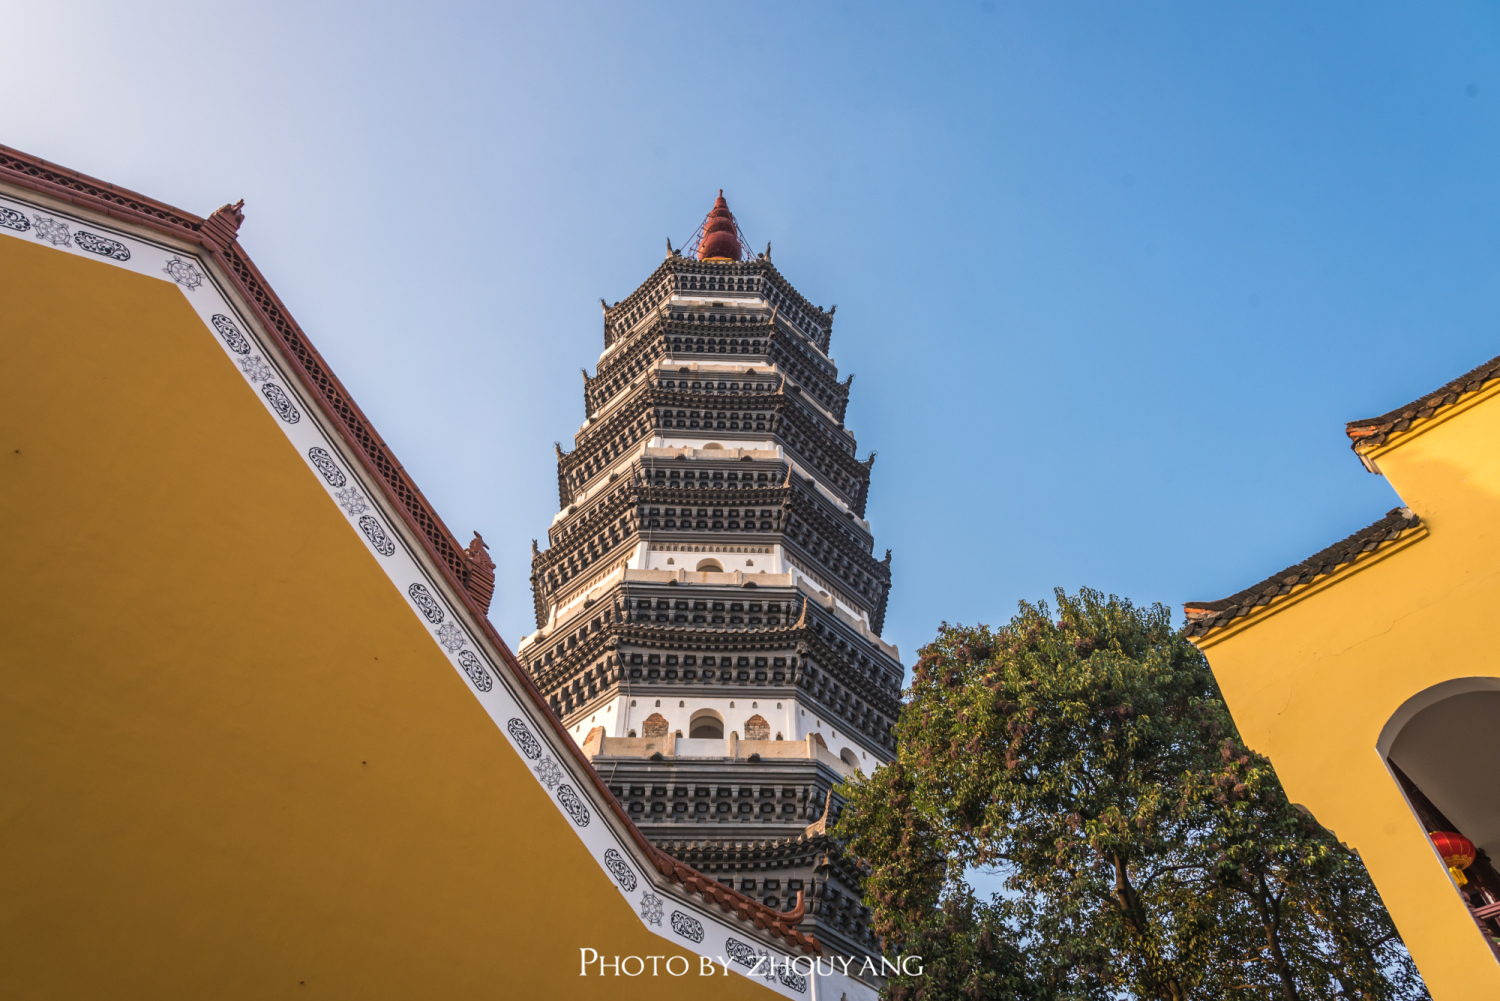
(746, 500)
(682, 344)
(709, 605)
(681, 286)
(766, 642)
(769, 837)
(662, 408)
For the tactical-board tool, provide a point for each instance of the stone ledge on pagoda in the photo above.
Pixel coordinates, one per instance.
(693, 452)
(729, 748)
(584, 601)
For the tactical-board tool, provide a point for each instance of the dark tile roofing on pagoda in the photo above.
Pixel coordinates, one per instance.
(1206, 616)
(1375, 430)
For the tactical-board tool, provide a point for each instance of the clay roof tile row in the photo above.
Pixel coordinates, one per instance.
(1206, 616)
(1376, 430)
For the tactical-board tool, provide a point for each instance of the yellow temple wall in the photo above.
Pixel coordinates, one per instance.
(235, 765)
(1313, 678)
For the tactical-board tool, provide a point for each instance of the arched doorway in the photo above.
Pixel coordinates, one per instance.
(1440, 747)
(756, 728)
(654, 726)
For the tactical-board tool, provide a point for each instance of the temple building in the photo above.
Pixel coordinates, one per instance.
(709, 606)
(261, 738)
(1368, 675)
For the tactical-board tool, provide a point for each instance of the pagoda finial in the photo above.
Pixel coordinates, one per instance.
(721, 241)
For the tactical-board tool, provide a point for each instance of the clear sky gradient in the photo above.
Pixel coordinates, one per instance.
(1111, 276)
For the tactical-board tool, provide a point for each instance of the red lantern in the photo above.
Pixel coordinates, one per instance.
(1457, 852)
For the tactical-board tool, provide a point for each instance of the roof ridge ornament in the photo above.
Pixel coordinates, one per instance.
(220, 230)
(479, 572)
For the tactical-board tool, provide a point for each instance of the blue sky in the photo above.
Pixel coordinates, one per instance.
(1111, 277)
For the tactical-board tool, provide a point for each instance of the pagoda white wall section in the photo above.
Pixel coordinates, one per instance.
(793, 720)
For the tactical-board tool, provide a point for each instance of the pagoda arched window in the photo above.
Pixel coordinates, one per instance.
(706, 724)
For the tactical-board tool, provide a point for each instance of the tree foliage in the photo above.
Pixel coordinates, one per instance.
(1145, 850)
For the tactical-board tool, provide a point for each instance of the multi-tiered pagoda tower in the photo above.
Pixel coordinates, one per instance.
(708, 608)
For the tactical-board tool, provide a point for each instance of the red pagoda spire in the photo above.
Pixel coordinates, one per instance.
(721, 239)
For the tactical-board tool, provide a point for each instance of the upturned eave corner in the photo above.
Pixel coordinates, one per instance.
(1207, 628)
(1373, 437)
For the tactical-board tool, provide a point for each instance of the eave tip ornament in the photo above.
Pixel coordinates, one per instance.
(721, 239)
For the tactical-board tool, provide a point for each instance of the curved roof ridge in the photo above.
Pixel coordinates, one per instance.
(1377, 430)
(1206, 616)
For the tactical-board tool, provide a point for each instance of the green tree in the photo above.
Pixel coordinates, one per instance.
(1144, 849)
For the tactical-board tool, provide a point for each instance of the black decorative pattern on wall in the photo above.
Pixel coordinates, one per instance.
(623, 874)
(469, 661)
(651, 907)
(54, 231)
(426, 603)
(451, 636)
(324, 464)
(688, 927)
(255, 368)
(11, 219)
(791, 978)
(281, 403)
(382, 542)
(573, 803)
(352, 501)
(231, 334)
(184, 273)
(101, 245)
(529, 744)
(550, 772)
(745, 955)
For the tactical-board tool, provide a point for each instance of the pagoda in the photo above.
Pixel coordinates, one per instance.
(709, 607)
